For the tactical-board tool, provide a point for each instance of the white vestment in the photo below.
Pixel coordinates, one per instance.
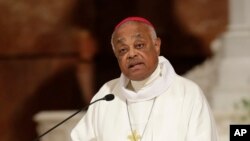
(167, 107)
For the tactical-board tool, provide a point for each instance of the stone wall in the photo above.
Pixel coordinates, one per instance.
(35, 48)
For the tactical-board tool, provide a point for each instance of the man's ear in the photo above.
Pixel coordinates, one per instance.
(157, 45)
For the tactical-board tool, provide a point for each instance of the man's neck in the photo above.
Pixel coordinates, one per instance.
(138, 85)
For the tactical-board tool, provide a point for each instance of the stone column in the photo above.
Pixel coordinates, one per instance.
(233, 70)
(226, 77)
(233, 82)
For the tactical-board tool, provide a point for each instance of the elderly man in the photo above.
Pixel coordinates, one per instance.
(152, 102)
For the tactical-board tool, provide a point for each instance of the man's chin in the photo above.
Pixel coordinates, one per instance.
(137, 77)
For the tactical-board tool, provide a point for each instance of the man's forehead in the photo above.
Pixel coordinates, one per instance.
(133, 36)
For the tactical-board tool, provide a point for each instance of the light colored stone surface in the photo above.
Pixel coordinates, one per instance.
(48, 119)
(227, 75)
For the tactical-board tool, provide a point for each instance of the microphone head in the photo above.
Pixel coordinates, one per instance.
(109, 97)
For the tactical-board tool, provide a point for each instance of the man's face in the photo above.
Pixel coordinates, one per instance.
(136, 51)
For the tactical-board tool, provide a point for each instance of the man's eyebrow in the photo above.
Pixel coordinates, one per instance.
(137, 36)
(120, 40)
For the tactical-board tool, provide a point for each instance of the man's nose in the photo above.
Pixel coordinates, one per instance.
(132, 53)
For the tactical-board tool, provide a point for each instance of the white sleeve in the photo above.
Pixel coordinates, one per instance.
(201, 125)
(84, 130)
(87, 129)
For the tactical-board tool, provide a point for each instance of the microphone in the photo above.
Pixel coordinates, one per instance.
(107, 97)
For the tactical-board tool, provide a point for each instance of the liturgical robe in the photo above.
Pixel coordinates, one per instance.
(164, 107)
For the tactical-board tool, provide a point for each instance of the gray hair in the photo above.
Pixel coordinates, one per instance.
(151, 29)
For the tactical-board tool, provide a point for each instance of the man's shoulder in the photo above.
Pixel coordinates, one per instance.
(186, 87)
(108, 87)
(112, 82)
(186, 82)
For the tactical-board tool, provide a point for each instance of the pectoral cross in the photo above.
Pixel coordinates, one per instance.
(134, 136)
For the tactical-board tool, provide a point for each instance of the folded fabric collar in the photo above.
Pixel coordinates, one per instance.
(154, 88)
(138, 85)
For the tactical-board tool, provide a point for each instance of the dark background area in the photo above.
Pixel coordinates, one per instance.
(38, 59)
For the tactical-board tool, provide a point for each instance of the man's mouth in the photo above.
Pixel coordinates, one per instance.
(134, 64)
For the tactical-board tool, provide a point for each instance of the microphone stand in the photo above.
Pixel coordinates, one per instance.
(107, 98)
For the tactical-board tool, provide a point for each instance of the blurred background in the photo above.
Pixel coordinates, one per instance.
(39, 56)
